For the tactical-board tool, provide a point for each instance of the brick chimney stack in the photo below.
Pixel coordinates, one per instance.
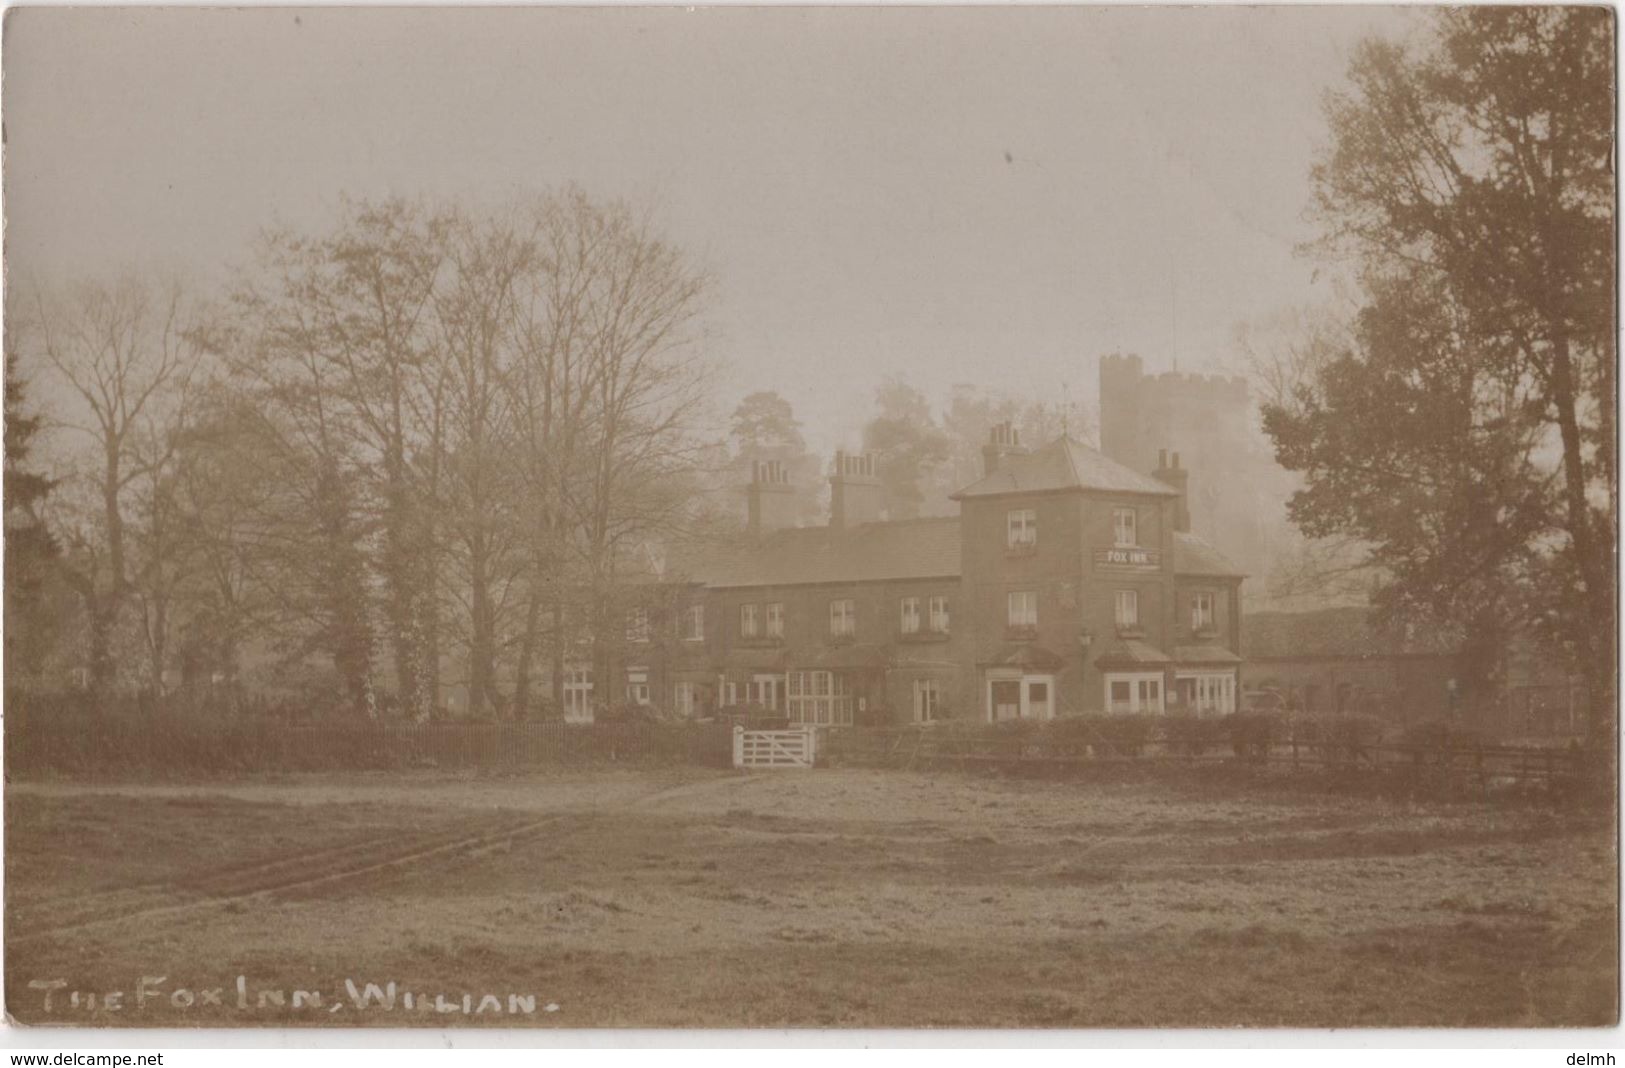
(854, 491)
(1169, 472)
(1003, 440)
(770, 498)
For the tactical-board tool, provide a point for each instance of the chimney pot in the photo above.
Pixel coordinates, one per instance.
(1003, 440)
(770, 499)
(855, 494)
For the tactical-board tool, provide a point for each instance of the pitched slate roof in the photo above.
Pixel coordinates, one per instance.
(902, 549)
(1035, 657)
(1204, 654)
(1131, 651)
(1064, 463)
(1194, 556)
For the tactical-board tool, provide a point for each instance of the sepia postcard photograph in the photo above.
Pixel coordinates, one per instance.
(1002, 518)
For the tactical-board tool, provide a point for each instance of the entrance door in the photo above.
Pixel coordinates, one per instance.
(767, 691)
(1004, 699)
(1038, 697)
(1208, 693)
(1134, 692)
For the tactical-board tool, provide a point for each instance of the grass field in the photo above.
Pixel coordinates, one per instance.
(828, 898)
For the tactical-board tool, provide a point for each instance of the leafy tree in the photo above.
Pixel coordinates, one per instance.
(971, 415)
(764, 421)
(911, 450)
(764, 427)
(1466, 434)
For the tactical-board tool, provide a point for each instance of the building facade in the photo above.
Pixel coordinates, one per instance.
(1341, 661)
(1067, 584)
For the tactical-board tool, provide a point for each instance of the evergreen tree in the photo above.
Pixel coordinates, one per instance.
(31, 552)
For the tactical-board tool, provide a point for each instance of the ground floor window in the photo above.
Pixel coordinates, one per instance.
(682, 699)
(578, 691)
(765, 691)
(927, 700)
(1016, 696)
(1210, 693)
(637, 686)
(818, 697)
(1134, 692)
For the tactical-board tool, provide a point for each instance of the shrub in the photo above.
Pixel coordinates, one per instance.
(1253, 733)
(65, 738)
(1071, 736)
(1191, 735)
(1121, 735)
(1338, 738)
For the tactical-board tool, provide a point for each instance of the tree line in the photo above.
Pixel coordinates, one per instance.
(425, 436)
(424, 450)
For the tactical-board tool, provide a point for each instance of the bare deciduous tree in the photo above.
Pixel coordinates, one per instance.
(126, 352)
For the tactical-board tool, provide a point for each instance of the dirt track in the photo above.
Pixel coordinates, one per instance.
(309, 870)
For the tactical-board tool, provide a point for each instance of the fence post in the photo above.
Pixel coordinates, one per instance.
(739, 747)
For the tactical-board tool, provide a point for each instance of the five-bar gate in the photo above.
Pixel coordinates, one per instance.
(793, 748)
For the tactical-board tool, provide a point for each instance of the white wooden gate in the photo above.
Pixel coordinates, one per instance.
(794, 748)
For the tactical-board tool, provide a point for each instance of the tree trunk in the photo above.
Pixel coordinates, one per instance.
(480, 651)
(1596, 625)
(105, 607)
(527, 650)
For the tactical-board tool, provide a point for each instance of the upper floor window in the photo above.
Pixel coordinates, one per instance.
(1201, 611)
(1128, 608)
(843, 618)
(775, 620)
(1021, 528)
(694, 623)
(750, 620)
(1021, 608)
(939, 615)
(637, 625)
(1123, 532)
(911, 615)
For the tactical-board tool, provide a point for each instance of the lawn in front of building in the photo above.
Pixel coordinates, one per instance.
(844, 897)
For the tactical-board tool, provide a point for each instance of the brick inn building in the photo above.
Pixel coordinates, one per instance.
(1067, 584)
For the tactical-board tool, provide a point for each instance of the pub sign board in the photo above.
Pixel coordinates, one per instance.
(1128, 559)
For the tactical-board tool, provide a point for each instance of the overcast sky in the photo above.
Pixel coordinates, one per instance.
(989, 196)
